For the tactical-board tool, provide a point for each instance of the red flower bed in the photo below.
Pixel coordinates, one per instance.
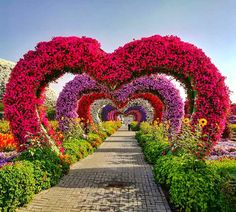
(155, 54)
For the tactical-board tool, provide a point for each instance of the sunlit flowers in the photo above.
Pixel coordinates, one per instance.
(7, 142)
(202, 122)
(186, 120)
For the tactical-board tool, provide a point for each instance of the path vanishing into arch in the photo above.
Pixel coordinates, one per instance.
(114, 178)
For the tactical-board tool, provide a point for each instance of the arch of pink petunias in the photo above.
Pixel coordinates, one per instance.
(156, 54)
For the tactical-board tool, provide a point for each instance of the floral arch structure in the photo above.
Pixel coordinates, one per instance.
(158, 85)
(157, 54)
(86, 113)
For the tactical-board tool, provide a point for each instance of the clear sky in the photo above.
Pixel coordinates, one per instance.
(209, 24)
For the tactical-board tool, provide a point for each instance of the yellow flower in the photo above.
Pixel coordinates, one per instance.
(202, 122)
(186, 120)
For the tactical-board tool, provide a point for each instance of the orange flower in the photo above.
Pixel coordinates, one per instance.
(7, 142)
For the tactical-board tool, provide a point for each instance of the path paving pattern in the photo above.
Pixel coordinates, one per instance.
(114, 178)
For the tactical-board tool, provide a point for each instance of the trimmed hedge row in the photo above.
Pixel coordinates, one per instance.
(39, 168)
(193, 184)
(34, 170)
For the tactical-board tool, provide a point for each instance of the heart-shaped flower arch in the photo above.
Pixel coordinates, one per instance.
(155, 54)
(96, 108)
(159, 85)
(110, 112)
(87, 113)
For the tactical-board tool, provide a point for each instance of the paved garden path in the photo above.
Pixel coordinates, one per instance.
(114, 178)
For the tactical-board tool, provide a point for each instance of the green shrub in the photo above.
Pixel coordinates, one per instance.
(155, 149)
(51, 165)
(51, 113)
(110, 126)
(94, 139)
(77, 148)
(1, 107)
(233, 127)
(226, 168)
(144, 138)
(193, 185)
(135, 126)
(4, 127)
(17, 185)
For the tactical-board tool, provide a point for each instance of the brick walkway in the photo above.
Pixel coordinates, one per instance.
(114, 178)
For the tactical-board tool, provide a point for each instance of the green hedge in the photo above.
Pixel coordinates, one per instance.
(193, 184)
(77, 148)
(39, 168)
(154, 150)
(33, 171)
(135, 126)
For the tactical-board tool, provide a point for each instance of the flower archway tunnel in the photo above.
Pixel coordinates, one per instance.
(158, 85)
(157, 54)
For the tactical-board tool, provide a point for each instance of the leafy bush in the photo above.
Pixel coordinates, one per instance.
(17, 185)
(39, 167)
(111, 126)
(135, 126)
(227, 170)
(1, 106)
(50, 163)
(51, 113)
(190, 142)
(193, 185)
(77, 148)
(94, 139)
(233, 127)
(143, 139)
(155, 149)
(4, 127)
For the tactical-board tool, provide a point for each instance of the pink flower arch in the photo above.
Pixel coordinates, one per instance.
(168, 54)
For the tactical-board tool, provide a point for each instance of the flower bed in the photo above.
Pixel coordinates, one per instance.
(40, 167)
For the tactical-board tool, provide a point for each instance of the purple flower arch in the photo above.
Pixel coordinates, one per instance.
(158, 85)
(109, 112)
(66, 107)
(164, 89)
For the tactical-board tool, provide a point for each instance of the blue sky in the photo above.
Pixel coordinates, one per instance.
(209, 24)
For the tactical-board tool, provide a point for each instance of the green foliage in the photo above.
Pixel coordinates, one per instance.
(193, 185)
(155, 149)
(4, 127)
(135, 126)
(17, 185)
(77, 148)
(190, 142)
(94, 139)
(1, 106)
(51, 113)
(111, 126)
(226, 168)
(233, 127)
(39, 167)
(48, 161)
